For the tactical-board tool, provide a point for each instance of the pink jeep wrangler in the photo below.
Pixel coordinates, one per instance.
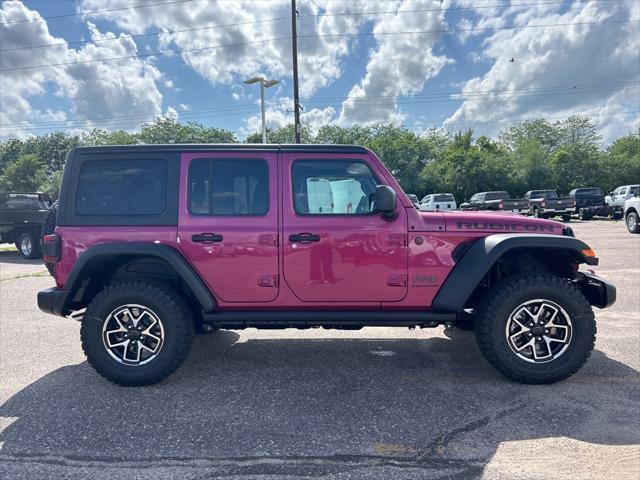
(154, 243)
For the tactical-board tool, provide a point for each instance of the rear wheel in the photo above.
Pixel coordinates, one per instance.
(583, 214)
(136, 333)
(633, 222)
(536, 328)
(28, 246)
(617, 215)
(566, 218)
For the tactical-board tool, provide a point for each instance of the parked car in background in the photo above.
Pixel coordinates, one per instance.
(589, 202)
(632, 213)
(157, 241)
(438, 202)
(21, 217)
(414, 198)
(498, 200)
(618, 197)
(547, 204)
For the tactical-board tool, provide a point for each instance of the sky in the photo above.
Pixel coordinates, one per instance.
(455, 64)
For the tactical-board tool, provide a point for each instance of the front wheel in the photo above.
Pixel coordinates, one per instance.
(136, 333)
(536, 328)
(633, 223)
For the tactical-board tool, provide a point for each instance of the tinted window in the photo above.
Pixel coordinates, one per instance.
(332, 187)
(589, 191)
(633, 190)
(443, 198)
(123, 187)
(228, 187)
(543, 194)
(496, 196)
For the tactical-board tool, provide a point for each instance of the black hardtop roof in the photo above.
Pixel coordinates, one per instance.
(212, 147)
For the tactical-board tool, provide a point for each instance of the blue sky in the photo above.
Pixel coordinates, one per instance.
(357, 63)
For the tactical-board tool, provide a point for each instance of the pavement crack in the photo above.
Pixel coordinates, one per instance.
(437, 447)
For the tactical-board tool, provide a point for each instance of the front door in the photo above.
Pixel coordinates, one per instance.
(335, 248)
(228, 226)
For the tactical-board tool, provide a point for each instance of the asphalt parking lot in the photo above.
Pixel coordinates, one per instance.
(378, 403)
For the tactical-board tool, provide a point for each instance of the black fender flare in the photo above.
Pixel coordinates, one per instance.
(481, 255)
(103, 251)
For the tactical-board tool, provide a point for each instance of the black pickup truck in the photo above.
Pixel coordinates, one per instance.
(590, 202)
(499, 201)
(547, 204)
(21, 217)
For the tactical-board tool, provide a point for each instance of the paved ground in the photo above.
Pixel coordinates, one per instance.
(380, 403)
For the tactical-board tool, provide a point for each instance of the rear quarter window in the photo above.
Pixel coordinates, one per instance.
(122, 187)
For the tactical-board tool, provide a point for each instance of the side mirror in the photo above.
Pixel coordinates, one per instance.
(385, 201)
(611, 193)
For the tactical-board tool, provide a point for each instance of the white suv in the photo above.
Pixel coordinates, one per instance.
(632, 214)
(438, 202)
(619, 196)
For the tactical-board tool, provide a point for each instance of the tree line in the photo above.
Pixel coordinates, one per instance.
(528, 155)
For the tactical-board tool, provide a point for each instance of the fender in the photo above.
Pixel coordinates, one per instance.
(102, 251)
(478, 259)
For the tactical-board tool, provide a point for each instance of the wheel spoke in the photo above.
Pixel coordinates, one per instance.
(125, 339)
(547, 325)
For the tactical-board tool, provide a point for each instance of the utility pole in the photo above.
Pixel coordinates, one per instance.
(296, 98)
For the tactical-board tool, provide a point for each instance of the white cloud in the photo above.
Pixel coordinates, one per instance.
(96, 90)
(279, 113)
(600, 60)
(245, 54)
(398, 65)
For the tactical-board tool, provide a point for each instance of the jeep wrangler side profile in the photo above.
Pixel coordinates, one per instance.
(155, 242)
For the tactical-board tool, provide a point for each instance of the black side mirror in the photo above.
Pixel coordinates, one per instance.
(385, 201)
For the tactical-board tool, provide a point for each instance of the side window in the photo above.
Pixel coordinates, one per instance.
(122, 187)
(332, 187)
(228, 187)
(623, 191)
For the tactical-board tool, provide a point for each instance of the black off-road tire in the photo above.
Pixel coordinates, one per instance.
(28, 253)
(566, 218)
(633, 222)
(583, 214)
(492, 317)
(617, 215)
(48, 227)
(172, 310)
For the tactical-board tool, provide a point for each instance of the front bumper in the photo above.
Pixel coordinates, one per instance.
(54, 301)
(599, 292)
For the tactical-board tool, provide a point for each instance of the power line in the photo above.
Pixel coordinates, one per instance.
(274, 19)
(66, 15)
(213, 47)
(364, 100)
(476, 95)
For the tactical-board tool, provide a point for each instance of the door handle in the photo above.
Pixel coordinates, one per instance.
(304, 237)
(207, 238)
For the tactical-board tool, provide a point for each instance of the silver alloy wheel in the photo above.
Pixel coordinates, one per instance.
(133, 334)
(26, 246)
(539, 331)
(631, 222)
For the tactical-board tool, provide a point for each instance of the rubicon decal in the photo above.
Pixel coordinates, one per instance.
(505, 227)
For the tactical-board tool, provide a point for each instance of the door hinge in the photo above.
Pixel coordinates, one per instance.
(397, 280)
(397, 238)
(268, 239)
(268, 280)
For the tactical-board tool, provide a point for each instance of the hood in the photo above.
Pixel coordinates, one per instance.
(499, 222)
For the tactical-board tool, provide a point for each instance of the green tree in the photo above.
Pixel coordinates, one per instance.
(24, 174)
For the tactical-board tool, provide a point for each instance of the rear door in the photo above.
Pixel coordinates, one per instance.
(340, 252)
(228, 222)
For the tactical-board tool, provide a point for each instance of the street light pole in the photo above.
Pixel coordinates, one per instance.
(263, 84)
(264, 123)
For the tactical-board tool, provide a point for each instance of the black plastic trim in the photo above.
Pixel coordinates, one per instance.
(483, 254)
(53, 301)
(222, 147)
(599, 292)
(331, 318)
(103, 251)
